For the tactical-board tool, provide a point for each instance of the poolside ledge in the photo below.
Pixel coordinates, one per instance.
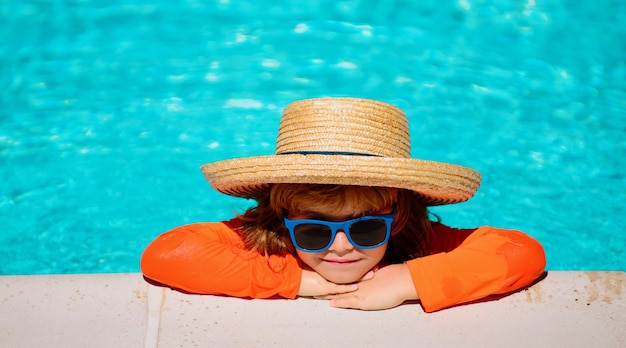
(565, 309)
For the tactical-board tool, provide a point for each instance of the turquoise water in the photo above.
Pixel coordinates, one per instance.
(108, 108)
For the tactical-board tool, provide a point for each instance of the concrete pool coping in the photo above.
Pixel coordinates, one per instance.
(566, 308)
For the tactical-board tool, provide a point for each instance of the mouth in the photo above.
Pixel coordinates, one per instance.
(340, 262)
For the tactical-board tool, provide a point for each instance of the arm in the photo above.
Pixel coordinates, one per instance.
(489, 261)
(209, 258)
(468, 265)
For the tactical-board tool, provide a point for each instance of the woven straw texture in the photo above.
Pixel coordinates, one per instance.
(344, 141)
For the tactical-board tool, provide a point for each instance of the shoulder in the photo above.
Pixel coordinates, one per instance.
(507, 241)
(444, 238)
(212, 230)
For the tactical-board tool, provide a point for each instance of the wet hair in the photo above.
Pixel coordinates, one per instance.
(263, 229)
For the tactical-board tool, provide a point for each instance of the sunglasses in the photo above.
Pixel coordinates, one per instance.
(365, 232)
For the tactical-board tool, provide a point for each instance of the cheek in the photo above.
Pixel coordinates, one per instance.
(308, 259)
(376, 254)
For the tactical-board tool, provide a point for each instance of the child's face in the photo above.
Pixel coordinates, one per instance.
(342, 262)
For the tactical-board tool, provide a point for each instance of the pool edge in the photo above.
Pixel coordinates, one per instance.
(566, 308)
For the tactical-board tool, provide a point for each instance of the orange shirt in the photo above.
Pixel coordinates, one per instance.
(463, 265)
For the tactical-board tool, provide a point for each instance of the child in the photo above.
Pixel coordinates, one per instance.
(342, 215)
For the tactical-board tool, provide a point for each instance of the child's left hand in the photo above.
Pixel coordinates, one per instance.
(390, 287)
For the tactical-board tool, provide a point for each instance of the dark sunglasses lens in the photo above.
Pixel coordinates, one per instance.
(368, 232)
(312, 236)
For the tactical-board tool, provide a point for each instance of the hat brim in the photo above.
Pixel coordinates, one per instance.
(437, 183)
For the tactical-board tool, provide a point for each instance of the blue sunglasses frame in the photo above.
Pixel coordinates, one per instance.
(340, 225)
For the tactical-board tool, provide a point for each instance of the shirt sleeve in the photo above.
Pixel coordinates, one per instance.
(210, 258)
(474, 264)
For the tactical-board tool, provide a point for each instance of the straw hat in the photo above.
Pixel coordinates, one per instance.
(344, 141)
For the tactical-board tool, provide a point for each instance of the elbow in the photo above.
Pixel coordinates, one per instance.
(148, 262)
(156, 262)
(161, 256)
(526, 260)
(537, 257)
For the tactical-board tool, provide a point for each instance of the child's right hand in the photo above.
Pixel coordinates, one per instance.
(314, 285)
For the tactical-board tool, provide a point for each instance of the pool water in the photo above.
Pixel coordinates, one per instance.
(108, 108)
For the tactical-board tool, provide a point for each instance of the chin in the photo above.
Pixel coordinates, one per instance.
(342, 278)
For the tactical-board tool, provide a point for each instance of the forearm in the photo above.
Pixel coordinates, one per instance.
(490, 261)
(190, 261)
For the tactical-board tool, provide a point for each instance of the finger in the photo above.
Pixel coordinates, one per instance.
(325, 297)
(341, 289)
(369, 275)
(334, 291)
(345, 302)
(330, 296)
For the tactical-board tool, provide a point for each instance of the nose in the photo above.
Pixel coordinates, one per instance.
(341, 244)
